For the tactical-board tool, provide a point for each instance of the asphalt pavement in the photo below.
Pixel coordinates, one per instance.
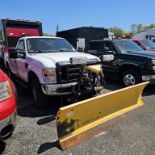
(35, 132)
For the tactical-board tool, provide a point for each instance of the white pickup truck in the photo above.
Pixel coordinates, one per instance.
(51, 66)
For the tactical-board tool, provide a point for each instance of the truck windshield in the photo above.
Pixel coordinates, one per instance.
(43, 45)
(148, 44)
(125, 46)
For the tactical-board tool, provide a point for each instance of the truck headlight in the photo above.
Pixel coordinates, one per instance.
(5, 90)
(49, 75)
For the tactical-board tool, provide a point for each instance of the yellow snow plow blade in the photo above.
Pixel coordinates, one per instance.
(79, 121)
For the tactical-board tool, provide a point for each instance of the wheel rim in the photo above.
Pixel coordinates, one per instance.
(129, 80)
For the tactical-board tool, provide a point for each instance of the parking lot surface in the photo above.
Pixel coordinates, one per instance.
(35, 132)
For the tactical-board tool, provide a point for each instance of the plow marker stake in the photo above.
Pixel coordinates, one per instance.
(81, 120)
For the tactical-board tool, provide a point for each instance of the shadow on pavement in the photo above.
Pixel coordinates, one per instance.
(30, 110)
(26, 107)
(112, 85)
(2, 147)
(46, 120)
(149, 90)
(47, 146)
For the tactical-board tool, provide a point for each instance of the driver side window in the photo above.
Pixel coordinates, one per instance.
(21, 45)
(108, 46)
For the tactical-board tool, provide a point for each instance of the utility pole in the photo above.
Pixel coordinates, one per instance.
(57, 29)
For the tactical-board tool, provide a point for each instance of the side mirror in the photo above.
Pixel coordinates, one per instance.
(107, 58)
(12, 53)
(21, 53)
(16, 53)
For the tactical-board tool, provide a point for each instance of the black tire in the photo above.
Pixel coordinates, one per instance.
(40, 99)
(131, 77)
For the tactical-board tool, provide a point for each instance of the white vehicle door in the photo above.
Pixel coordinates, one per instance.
(21, 61)
(12, 63)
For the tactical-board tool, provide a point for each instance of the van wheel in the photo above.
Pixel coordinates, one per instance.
(131, 77)
(39, 98)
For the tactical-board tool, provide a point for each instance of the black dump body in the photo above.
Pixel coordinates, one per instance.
(89, 33)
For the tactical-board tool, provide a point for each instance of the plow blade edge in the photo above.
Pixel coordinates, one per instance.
(78, 121)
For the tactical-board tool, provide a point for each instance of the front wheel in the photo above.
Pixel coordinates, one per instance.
(39, 98)
(131, 77)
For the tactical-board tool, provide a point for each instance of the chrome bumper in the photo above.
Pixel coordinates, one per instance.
(10, 120)
(59, 89)
(150, 78)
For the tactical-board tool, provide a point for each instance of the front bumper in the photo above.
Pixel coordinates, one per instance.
(59, 89)
(150, 78)
(7, 126)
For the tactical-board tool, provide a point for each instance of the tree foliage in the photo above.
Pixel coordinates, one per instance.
(117, 31)
(135, 28)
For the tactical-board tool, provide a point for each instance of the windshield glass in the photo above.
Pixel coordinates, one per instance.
(126, 46)
(148, 43)
(42, 45)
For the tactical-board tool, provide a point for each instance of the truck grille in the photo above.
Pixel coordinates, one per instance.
(68, 73)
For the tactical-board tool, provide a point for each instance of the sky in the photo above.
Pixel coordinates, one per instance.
(76, 13)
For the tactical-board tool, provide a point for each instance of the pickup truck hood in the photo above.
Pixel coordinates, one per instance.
(149, 54)
(50, 59)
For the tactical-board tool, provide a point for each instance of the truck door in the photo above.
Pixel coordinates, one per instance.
(21, 61)
(111, 68)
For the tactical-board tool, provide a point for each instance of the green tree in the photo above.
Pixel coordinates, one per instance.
(136, 28)
(140, 27)
(129, 34)
(118, 32)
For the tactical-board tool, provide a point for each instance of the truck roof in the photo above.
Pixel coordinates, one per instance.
(19, 20)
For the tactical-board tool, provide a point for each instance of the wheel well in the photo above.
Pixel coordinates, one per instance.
(32, 75)
(7, 66)
(129, 67)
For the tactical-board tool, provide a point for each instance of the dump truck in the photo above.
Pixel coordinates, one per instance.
(13, 29)
(79, 37)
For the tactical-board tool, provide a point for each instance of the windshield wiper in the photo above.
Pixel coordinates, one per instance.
(65, 50)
